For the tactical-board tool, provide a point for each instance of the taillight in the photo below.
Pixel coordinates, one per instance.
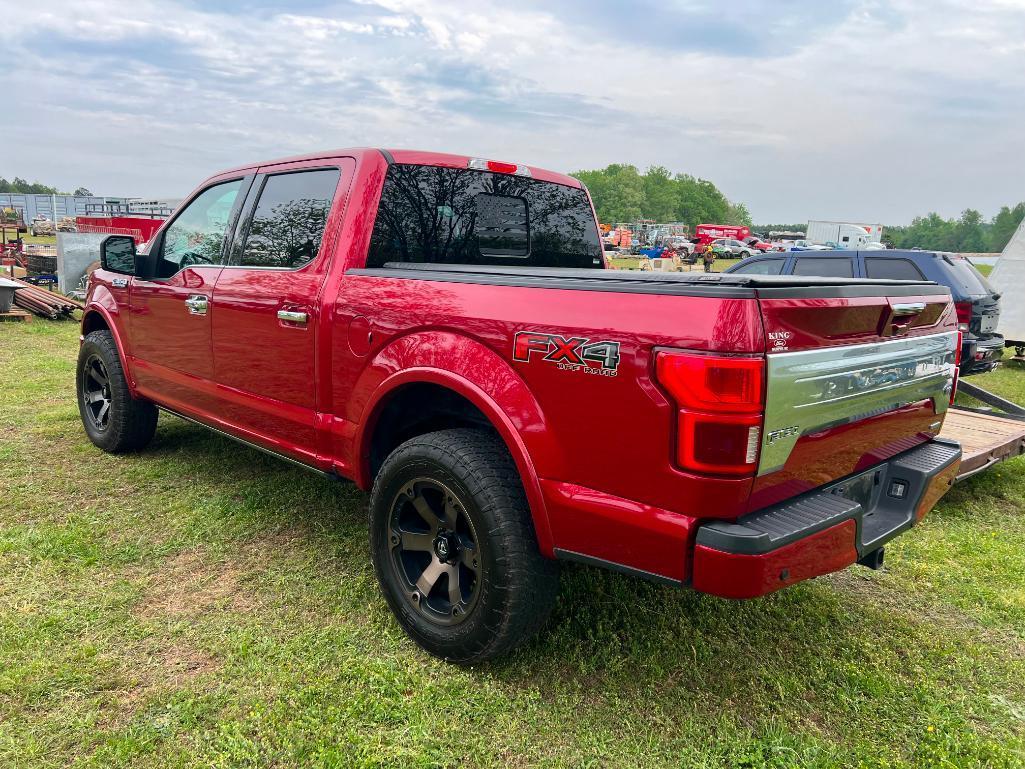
(720, 407)
(480, 164)
(964, 315)
(957, 367)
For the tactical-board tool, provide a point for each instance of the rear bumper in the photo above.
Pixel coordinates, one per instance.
(980, 354)
(824, 530)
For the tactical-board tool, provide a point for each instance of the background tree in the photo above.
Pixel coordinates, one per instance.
(622, 194)
(1005, 224)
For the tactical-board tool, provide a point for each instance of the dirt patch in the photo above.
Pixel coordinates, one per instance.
(189, 584)
(193, 582)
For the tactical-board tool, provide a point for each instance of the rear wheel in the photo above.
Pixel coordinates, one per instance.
(114, 420)
(454, 547)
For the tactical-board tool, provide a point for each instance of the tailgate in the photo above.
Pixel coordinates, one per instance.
(850, 382)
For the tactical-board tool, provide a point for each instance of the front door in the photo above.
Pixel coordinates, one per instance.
(169, 321)
(266, 305)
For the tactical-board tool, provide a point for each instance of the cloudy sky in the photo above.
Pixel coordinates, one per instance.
(846, 109)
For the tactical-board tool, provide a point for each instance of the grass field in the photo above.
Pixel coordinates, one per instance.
(200, 604)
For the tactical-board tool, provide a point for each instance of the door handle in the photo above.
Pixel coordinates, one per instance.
(292, 316)
(906, 310)
(197, 304)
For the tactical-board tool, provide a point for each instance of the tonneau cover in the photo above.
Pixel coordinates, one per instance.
(688, 284)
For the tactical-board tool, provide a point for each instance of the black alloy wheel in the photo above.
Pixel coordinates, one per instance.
(454, 547)
(435, 551)
(114, 420)
(96, 395)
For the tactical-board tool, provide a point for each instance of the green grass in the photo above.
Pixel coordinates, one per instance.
(200, 604)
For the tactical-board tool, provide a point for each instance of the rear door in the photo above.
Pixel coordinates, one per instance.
(266, 304)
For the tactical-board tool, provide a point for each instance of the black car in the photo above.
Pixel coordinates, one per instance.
(978, 305)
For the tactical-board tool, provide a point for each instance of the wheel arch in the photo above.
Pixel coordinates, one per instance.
(404, 380)
(99, 318)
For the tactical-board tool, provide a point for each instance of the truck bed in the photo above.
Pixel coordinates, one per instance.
(722, 285)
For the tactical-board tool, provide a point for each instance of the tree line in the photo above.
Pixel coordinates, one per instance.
(621, 193)
(968, 233)
(23, 187)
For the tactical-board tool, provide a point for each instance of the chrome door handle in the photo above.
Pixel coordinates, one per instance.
(197, 304)
(292, 316)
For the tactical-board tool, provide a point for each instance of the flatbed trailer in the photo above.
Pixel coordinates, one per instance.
(987, 437)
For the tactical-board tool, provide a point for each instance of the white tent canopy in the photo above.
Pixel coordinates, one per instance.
(1008, 278)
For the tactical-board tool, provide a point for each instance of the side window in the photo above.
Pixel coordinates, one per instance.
(892, 269)
(825, 267)
(762, 267)
(289, 219)
(196, 236)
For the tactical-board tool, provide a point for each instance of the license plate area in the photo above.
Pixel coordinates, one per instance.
(988, 324)
(885, 499)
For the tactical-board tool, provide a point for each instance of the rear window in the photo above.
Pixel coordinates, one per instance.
(825, 267)
(965, 280)
(891, 269)
(464, 216)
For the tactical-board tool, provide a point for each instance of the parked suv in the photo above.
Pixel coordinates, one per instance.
(977, 304)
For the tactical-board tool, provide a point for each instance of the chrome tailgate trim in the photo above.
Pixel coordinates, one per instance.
(813, 390)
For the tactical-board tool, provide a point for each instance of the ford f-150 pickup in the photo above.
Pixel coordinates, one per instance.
(441, 330)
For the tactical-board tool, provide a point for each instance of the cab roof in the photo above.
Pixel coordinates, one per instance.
(404, 156)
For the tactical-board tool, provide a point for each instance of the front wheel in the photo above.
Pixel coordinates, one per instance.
(114, 420)
(454, 547)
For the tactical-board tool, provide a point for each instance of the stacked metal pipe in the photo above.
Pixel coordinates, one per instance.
(45, 304)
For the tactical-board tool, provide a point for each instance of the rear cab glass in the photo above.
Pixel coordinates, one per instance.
(431, 214)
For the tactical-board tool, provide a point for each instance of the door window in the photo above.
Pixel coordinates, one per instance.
(761, 267)
(289, 219)
(892, 269)
(196, 236)
(825, 267)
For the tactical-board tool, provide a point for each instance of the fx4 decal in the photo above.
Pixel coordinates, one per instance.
(573, 353)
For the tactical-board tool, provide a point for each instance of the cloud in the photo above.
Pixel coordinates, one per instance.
(855, 109)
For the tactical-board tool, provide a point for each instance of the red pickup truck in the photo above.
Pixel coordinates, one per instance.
(440, 330)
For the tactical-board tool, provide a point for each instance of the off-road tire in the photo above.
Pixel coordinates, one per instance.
(517, 585)
(129, 422)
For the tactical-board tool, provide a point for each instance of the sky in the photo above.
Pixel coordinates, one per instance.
(862, 110)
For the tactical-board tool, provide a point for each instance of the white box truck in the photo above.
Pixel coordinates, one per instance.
(851, 235)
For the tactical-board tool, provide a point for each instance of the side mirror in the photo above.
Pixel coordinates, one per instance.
(117, 254)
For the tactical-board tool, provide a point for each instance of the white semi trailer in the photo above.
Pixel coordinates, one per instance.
(850, 235)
